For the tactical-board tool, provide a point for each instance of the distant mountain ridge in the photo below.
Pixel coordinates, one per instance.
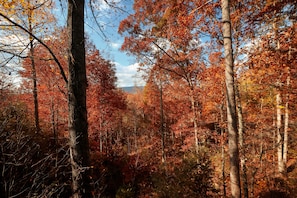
(131, 89)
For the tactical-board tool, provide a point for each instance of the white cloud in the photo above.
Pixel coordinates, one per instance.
(128, 75)
(103, 6)
(11, 45)
(164, 44)
(115, 45)
(14, 43)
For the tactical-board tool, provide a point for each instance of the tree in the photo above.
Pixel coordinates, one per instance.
(77, 85)
(31, 15)
(51, 90)
(274, 23)
(231, 103)
(157, 77)
(104, 101)
(165, 36)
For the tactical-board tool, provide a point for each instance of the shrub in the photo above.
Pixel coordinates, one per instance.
(28, 167)
(192, 178)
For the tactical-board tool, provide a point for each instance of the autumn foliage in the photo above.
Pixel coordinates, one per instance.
(168, 138)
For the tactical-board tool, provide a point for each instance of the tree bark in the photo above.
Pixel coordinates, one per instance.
(53, 122)
(35, 93)
(241, 131)
(195, 120)
(77, 84)
(286, 125)
(231, 104)
(33, 71)
(162, 123)
(280, 143)
(135, 132)
(223, 151)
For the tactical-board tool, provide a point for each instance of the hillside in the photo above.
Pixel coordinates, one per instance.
(131, 89)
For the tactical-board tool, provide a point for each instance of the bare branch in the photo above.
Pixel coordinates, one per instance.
(41, 42)
(96, 21)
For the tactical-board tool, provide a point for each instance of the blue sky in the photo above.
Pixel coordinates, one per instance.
(109, 42)
(106, 37)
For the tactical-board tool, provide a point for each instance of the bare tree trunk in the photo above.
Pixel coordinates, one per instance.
(279, 131)
(231, 103)
(33, 71)
(273, 145)
(53, 122)
(223, 167)
(162, 124)
(100, 131)
(286, 124)
(102, 135)
(281, 167)
(135, 132)
(35, 94)
(77, 84)
(241, 131)
(195, 121)
(223, 152)
(286, 127)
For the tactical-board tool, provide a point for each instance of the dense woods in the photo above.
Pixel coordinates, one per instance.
(216, 118)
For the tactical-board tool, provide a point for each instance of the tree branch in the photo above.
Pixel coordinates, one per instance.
(41, 42)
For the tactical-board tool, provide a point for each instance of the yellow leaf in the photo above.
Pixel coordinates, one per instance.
(280, 106)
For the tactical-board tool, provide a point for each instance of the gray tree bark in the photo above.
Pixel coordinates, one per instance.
(231, 104)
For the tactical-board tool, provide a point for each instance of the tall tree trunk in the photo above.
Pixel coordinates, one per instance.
(135, 132)
(241, 131)
(231, 103)
(223, 151)
(33, 71)
(286, 121)
(280, 143)
(274, 144)
(53, 122)
(162, 124)
(101, 124)
(286, 136)
(279, 130)
(35, 94)
(195, 120)
(223, 165)
(77, 84)
(100, 131)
